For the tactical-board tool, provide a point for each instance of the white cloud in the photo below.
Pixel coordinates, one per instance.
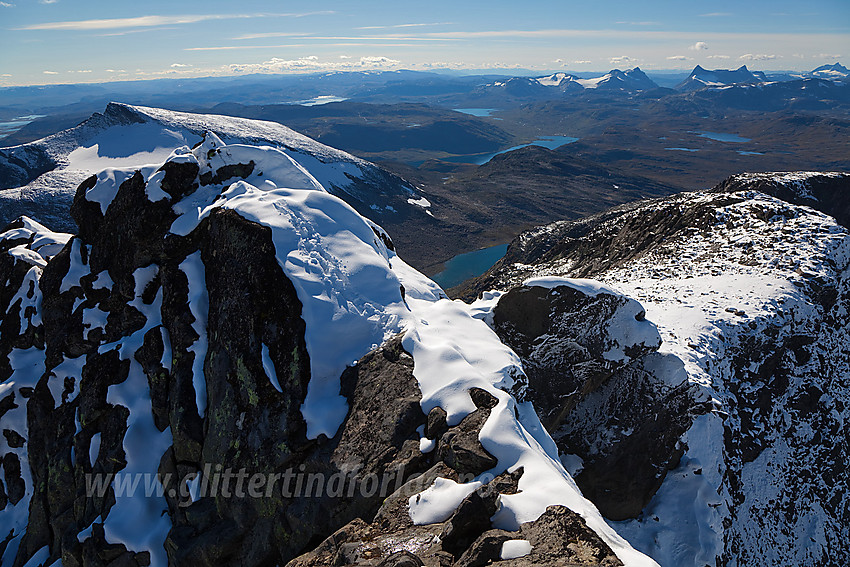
(378, 62)
(441, 65)
(345, 56)
(150, 21)
(756, 57)
(621, 59)
(582, 62)
(715, 15)
(5, 75)
(313, 63)
(699, 46)
(178, 65)
(7, 5)
(50, 72)
(719, 57)
(827, 56)
(82, 71)
(639, 23)
(679, 58)
(48, 1)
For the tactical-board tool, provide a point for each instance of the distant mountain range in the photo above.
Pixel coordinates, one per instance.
(635, 81)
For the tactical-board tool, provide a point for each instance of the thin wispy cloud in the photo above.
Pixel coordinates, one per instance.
(292, 45)
(269, 34)
(403, 26)
(626, 34)
(244, 47)
(6, 5)
(135, 31)
(679, 58)
(311, 37)
(639, 23)
(150, 21)
(716, 15)
(719, 57)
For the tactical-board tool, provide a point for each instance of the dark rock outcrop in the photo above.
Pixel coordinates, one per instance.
(466, 539)
(586, 358)
(570, 342)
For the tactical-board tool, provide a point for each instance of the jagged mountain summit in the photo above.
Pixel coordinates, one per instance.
(701, 78)
(223, 313)
(628, 80)
(834, 72)
(751, 296)
(39, 179)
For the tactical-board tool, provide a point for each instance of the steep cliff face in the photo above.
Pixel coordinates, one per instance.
(750, 294)
(220, 324)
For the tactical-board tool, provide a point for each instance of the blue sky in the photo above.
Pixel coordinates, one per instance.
(72, 41)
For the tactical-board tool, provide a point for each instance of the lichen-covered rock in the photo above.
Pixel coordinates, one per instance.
(599, 387)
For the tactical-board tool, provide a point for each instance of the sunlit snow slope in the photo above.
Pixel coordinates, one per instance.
(39, 179)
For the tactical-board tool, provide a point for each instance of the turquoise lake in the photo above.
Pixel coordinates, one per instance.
(721, 137)
(550, 142)
(468, 265)
(16, 124)
(480, 112)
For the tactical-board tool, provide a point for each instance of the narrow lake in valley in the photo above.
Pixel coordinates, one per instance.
(468, 265)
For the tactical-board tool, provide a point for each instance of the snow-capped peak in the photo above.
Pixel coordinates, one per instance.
(49, 170)
(701, 77)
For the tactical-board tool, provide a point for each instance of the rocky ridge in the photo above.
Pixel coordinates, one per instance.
(750, 294)
(149, 346)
